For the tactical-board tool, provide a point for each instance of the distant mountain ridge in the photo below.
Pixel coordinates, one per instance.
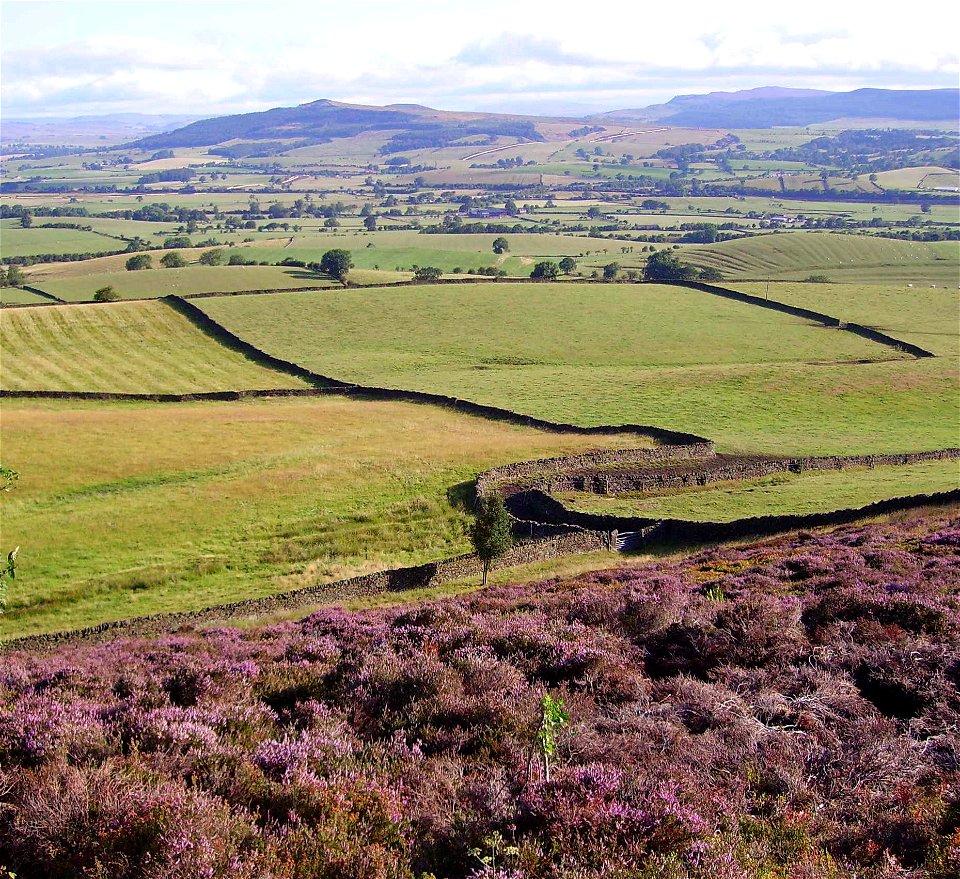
(323, 120)
(413, 126)
(767, 107)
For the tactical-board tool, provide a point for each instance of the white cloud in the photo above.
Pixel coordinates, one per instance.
(211, 57)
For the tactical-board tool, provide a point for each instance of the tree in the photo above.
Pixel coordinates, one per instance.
(427, 273)
(545, 271)
(370, 223)
(26, 220)
(610, 271)
(176, 241)
(568, 265)
(490, 531)
(106, 294)
(139, 262)
(11, 277)
(500, 245)
(213, 257)
(172, 260)
(662, 265)
(336, 263)
(510, 206)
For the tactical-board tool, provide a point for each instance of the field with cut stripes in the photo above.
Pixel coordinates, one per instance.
(853, 258)
(125, 347)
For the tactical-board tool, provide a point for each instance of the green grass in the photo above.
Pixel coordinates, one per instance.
(16, 241)
(14, 295)
(752, 379)
(124, 509)
(795, 255)
(782, 494)
(126, 347)
(77, 282)
(920, 314)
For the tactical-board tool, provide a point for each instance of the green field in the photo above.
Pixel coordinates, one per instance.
(124, 509)
(920, 314)
(750, 378)
(78, 281)
(16, 296)
(16, 241)
(126, 347)
(782, 494)
(795, 255)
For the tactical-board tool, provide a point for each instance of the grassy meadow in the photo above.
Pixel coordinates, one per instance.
(124, 509)
(752, 379)
(780, 494)
(920, 314)
(122, 347)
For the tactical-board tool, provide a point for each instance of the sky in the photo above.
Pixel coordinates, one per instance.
(63, 58)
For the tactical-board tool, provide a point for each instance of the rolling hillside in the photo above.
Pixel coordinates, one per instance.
(796, 255)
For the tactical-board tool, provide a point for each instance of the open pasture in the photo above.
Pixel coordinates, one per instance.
(123, 347)
(125, 509)
(782, 494)
(796, 255)
(752, 379)
(16, 241)
(920, 314)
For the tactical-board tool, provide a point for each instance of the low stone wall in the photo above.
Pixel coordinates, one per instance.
(571, 542)
(524, 470)
(719, 468)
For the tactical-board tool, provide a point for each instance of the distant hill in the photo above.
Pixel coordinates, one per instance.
(319, 121)
(413, 126)
(766, 107)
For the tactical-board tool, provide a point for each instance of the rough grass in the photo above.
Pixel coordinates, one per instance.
(780, 494)
(920, 314)
(123, 347)
(795, 255)
(753, 379)
(124, 509)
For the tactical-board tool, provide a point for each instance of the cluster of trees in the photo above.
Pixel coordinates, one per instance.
(662, 265)
(11, 276)
(173, 175)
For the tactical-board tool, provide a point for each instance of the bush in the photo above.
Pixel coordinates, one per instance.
(545, 271)
(213, 257)
(817, 279)
(427, 273)
(172, 260)
(139, 262)
(106, 294)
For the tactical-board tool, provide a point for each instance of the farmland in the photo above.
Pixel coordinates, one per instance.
(125, 509)
(751, 379)
(920, 314)
(136, 347)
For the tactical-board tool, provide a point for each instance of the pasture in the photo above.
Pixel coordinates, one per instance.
(782, 494)
(920, 314)
(124, 347)
(752, 379)
(17, 241)
(124, 509)
(853, 258)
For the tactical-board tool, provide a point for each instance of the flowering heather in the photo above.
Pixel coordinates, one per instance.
(788, 710)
